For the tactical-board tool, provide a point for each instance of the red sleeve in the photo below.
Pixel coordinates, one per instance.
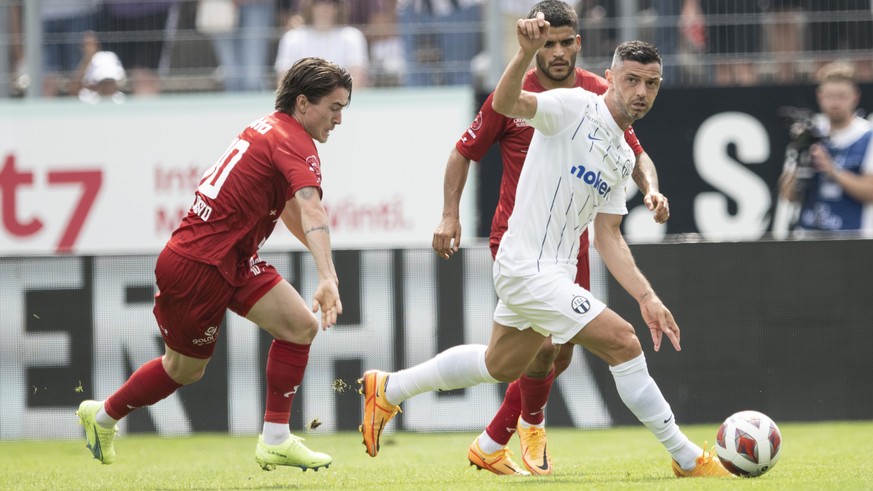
(631, 137)
(297, 160)
(485, 130)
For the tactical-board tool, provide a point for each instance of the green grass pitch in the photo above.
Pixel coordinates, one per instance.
(815, 456)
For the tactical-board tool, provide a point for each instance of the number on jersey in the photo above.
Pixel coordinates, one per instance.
(215, 176)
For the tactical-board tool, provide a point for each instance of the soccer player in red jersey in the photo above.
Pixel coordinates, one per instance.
(271, 170)
(525, 399)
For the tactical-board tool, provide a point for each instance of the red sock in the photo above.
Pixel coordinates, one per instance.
(503, 424)
(148, 385)
(534, 396)
(286, 363)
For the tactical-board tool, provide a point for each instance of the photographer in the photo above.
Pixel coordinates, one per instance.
(831, 176)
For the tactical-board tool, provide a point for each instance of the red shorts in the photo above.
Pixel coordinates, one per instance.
(193, 297)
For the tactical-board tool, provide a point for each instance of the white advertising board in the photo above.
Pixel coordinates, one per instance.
(94, 179)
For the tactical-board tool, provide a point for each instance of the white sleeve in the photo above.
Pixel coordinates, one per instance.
(616, 204)
(557, 109)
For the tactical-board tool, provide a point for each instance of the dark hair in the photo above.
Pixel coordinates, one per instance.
(556, 12)
(312, 77)
(639, 51)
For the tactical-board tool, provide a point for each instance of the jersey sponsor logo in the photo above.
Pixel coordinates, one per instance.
(580, 305)
(314, 166)
(592, 179)
(520, 122)
(261, 126)
(200, 208)
(210, 336)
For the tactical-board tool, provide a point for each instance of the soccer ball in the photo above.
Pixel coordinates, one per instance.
(748, 443)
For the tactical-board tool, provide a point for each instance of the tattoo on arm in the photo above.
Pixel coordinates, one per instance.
(317, 228)
(306, 193)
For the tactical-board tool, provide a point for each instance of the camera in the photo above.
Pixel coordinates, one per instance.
(803, 133)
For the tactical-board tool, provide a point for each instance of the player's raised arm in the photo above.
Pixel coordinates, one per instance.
(509, 100)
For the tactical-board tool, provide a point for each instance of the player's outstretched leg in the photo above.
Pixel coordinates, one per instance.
(498, 462)
(641, 395)
(708, 465)
(292, 452)
(377, 410)
(99, 439)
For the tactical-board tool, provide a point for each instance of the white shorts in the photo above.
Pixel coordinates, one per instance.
(550, 303)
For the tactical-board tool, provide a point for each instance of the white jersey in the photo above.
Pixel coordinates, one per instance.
(577, 166)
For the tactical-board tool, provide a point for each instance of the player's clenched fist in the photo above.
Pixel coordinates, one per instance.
(532, 33)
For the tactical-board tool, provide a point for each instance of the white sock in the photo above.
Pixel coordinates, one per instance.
(275, 433)
(487, 444)
(455, 368)
(641, 395)
(103, 419)
(525, 424)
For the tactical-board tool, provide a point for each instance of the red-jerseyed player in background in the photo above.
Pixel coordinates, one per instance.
(526, 398)
(211, 264)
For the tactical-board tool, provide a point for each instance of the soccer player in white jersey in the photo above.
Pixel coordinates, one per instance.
(575, 172)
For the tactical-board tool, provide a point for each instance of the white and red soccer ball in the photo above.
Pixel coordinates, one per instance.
(748, 443)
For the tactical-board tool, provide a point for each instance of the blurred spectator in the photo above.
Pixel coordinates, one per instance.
(100, 76)
(597, 23)
(241, 36)
(841, 28)
(378, 19)
(830, 174)
(324, 34)
(103, 79)
(135, 30)
(680, 35)
(63, 23)
(733, 39)
(15, 67)
(785, 38)
(440, 38)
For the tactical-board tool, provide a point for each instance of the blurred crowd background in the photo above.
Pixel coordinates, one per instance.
(48, 47)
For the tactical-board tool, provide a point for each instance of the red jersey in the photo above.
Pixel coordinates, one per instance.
(514, 136)
(242, 196)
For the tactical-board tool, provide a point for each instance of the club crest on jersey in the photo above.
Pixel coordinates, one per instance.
(580, 305)
(592, 179)
(314, 166)
(477, 122)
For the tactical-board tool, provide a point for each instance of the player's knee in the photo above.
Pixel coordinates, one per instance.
(503, 372)
(543, 362)
(626, 345)
(562, 361)
(299, 331)
(186, 375)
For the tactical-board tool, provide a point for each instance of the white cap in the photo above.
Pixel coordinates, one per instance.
(104, 65)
